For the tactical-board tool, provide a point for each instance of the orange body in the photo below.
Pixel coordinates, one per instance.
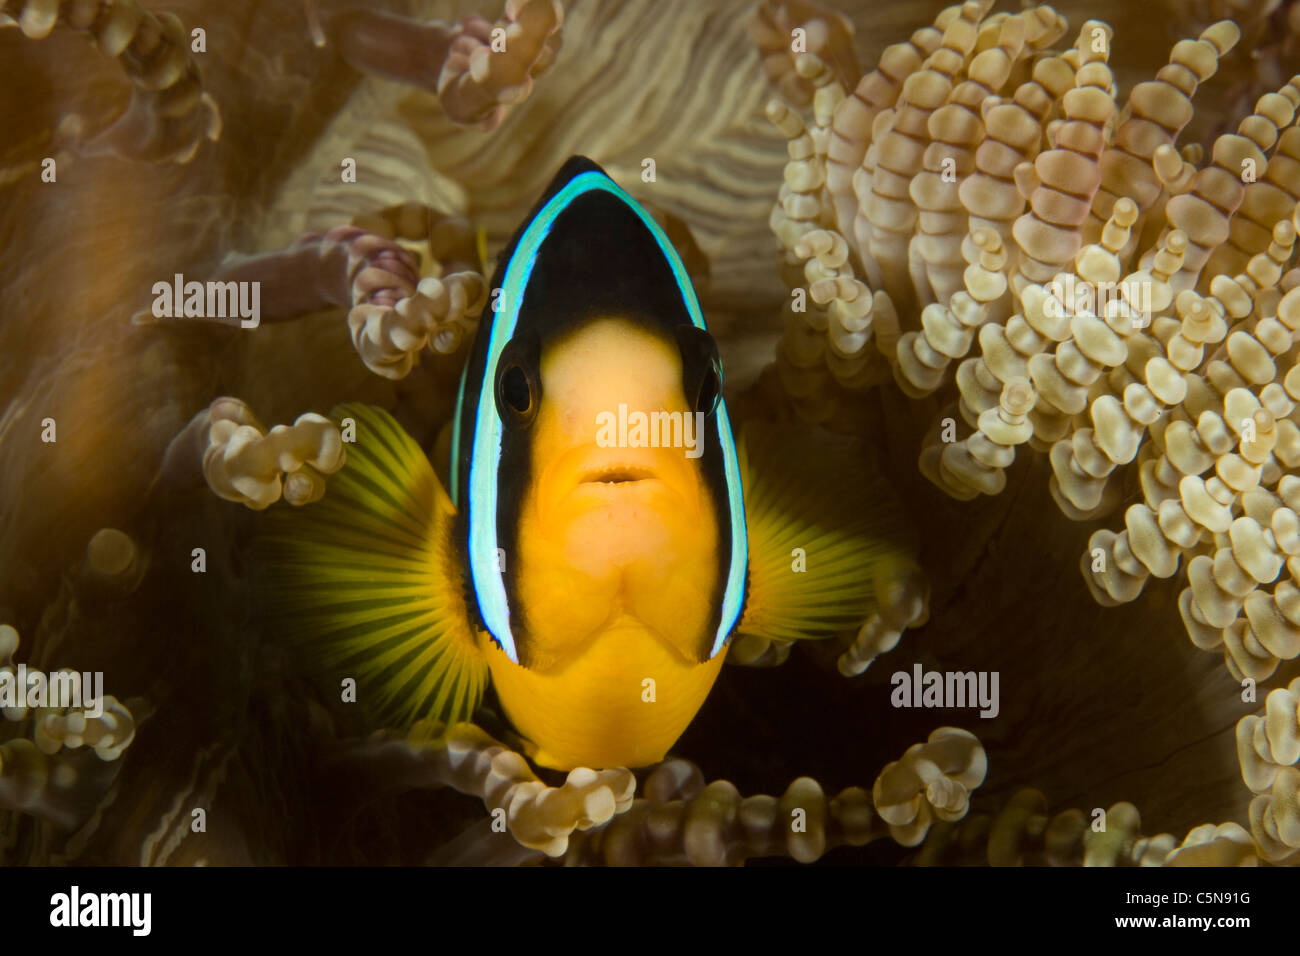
(618, 563)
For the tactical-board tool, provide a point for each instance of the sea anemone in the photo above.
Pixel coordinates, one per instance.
(944, 224)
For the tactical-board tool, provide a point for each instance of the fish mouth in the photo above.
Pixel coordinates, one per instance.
(609, 477)
(617, 475)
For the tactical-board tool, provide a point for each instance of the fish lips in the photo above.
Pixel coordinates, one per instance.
(610, 475)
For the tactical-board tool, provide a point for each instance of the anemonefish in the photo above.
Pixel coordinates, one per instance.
(605, 538)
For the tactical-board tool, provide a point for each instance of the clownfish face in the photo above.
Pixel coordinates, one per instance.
(618, 567)
(612, 528)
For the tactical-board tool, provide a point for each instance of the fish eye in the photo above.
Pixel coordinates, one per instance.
(515, 390)
(518, 387)
(701, 368)
(706, 400)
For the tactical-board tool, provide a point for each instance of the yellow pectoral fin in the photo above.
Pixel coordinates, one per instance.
(367, 580)
(824, 530)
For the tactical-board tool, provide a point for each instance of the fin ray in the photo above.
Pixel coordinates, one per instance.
(820, 493)
(366, 581)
